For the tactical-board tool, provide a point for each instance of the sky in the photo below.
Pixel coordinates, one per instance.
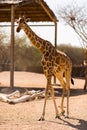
(65, 34)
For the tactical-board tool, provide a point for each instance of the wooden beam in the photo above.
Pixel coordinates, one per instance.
(12, 48)
(46, 10)
(32, 25)
(5, 9)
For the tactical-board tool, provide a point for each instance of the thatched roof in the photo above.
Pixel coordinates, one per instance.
(36, 10)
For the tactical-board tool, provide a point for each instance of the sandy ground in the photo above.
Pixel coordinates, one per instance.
(24, 116)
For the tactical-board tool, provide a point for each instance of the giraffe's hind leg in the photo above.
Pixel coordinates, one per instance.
(63, 84)
(62, 108)
(68, 78)
(53, 97)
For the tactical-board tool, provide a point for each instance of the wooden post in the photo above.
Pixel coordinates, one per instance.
(85, 67)
(56, 35)
(12, 48)
(55, 45)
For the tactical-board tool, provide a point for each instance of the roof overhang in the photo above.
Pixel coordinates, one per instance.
(36, 10)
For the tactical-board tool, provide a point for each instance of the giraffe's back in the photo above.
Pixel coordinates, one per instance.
(56, 61)
(62, 62)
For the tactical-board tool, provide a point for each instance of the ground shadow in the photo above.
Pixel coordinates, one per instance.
(73, 92)
(81, 125)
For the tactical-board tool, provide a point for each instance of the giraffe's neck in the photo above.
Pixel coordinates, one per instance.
(36, 40)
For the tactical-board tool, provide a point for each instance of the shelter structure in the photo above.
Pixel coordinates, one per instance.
(36, 10)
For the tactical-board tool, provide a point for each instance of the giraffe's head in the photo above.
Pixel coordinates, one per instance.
(21, 21)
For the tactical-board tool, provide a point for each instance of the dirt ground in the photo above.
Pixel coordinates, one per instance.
(24, 116)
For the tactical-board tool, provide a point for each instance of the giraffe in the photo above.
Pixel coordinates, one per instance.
(55, 63)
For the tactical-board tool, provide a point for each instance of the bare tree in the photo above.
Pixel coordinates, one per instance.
(76, 17)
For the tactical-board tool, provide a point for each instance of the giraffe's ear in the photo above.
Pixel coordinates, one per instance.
(27, 19)
(17, 20)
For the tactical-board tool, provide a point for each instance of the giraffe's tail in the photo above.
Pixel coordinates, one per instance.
(72, 81)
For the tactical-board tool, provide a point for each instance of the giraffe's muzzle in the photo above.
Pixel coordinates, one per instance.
(18, 29)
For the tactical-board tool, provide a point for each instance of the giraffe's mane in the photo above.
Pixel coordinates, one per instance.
(61, 52)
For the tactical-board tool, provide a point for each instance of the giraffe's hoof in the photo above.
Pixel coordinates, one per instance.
(62, 113)
(41, 119)
(67, 116)
(57, 116)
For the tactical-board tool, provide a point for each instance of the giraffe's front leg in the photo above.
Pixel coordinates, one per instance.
(43, 114)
